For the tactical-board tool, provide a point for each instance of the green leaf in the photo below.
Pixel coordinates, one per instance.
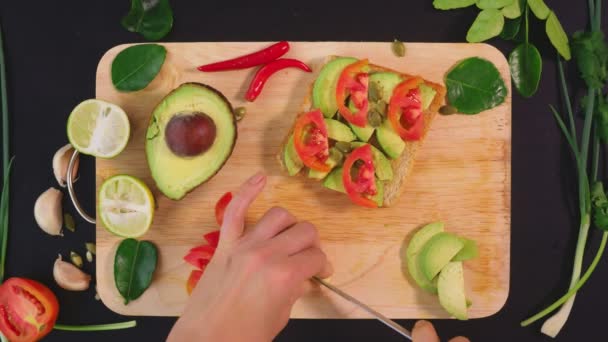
(451, 4)
(511, 28)
(599, 204)
(513, 10)
(485, 4)
(134, 264)
(153, 19)
(557, 36)
(136, 66)
(488, 24)
(526, 66)
(591, 55)
(602, 118)
(539, 8)
(475, 85)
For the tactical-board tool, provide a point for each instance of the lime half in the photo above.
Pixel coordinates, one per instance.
(98, 128)
(126, 206)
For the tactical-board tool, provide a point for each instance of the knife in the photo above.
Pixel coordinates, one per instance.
(389, 322)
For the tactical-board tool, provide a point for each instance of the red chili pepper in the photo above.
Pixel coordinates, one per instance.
(247, 61)
(262, 75)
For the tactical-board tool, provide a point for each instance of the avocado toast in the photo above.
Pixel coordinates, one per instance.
(367, 119)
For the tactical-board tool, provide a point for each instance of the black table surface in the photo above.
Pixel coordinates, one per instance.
(53, 48)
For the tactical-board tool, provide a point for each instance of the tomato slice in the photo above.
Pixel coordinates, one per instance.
(28, 310)
(213, 238)
(354, 81)
(310, 140)
(193, 279)
(200, 256)
(220, 207)
(363, 187)
(405, 109)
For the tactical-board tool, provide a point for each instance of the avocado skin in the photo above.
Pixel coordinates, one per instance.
(233, 122)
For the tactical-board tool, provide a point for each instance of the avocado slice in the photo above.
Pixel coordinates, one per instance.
(292, 161)
(390, 142)
(324, 88)
(379, 197)
(333, 181)
(191, 134)
(468, 251)
(339, 131)
(413, 251)
(316, 174)
(362, 133)
(450, 287)
(438, 252)
(386, 81)
(427, 95)
(384, 171)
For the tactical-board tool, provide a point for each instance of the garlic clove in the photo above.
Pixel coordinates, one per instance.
(48, 211)
(70, 277)
(61, 160)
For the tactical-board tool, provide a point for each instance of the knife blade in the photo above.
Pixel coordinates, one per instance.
(387, 321)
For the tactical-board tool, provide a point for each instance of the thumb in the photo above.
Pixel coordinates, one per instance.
(234, 217)
(424, 332)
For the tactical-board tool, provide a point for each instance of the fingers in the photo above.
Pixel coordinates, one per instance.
(234, 218)
(309, 263)
(272, 223)
(424, 332)
(460, 339)
(295, 239)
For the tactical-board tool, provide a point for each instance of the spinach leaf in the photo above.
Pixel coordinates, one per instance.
(539, 8)
(511, 28)
(134, 264)
(557, 36)
(513, 10)
(488, 24)
(451, 4)
(136, 66)
(475, 85)
(485, 4)
(153, 19)
(591, 55)
(526, 66)
(599, 204)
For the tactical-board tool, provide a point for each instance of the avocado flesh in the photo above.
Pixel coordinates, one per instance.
(316, 174)
(333, 181)
(382, 165)
(387, 81)
(438, 252)
(362, 133)
(175, 176)
(324, 88)
(292, 161)
(469, 251)
(450, 287)
(339, 131)
(413, 251)
(390, 142)
(427, 95)
(379, 197)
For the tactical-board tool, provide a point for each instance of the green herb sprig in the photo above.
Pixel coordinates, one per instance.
(153, 19)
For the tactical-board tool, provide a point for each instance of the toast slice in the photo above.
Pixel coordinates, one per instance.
(403, 165)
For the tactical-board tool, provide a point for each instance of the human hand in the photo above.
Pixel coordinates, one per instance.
(255, 276)
(425, 332)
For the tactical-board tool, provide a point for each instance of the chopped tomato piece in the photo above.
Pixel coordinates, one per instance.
(200, 256)
(220, 207)
(363, 186)
(193, 279)
(405, 110)
(354, 81)
(213, 238)
(28, 310)
(310, 140)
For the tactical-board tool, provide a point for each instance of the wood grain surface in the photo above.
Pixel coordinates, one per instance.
(462, 177)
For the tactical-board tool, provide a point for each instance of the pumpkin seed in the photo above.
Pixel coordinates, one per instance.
(89, 256)
(239, 113)
(343, 146)
(398, 48)
(76, 259)
(91, 247)
(69, 222)
(447, 110)
(374, 118)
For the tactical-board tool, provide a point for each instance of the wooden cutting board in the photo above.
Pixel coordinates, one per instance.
(462, 177)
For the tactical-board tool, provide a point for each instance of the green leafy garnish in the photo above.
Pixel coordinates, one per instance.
(488, 24)
(485, 4)
(136, 66)
(557, 36)
(511, 28)
(591, 55)
(539, 8)
(134, 265)
(526, 65)
(475, 85)
(513, 10)
(599, 206)
(97, 327)
(153, 19)
(452, 4)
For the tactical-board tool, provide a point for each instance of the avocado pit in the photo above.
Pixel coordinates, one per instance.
(190, 134)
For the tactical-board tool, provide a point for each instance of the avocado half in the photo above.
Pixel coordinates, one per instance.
(191, 134)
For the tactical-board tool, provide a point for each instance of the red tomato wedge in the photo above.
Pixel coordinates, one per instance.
(310, 140)
(200, 256)
(220, 207)
(193, 279)
(28, 310)
(363, 186)
(354, 81)
(213, 238)
(405, 110)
